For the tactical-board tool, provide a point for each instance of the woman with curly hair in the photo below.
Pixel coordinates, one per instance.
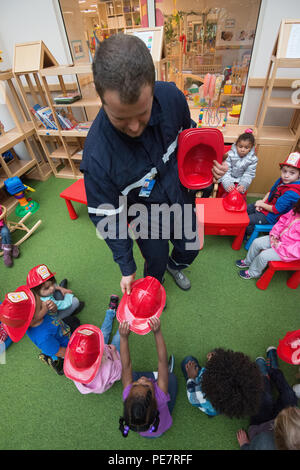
(230, 383)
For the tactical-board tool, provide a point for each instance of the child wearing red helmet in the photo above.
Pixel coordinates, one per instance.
(92, 363)
(60, 301)
(23, 312)
(281, 198)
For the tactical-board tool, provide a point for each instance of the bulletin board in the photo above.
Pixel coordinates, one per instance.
(153, 38)
(288, 43)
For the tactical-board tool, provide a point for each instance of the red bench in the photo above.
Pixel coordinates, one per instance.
(293, 282)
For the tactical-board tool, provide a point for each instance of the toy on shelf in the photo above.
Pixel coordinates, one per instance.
(212, 116)
(16, 188)
(235, 110)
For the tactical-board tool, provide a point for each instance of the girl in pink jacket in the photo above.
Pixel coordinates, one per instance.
(282, 244)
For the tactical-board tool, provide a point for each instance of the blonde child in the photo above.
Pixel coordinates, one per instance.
(242, 162)
(282, 244)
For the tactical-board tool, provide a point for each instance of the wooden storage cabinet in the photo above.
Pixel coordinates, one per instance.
(62, 147)
(36, 167)
(117, 15)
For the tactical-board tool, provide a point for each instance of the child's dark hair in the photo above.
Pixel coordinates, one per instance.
(296, 209)
(140, 414)
(248, 136)
(232, 383)
(36, 289)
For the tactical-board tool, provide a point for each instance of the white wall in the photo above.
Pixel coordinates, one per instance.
(24, 21)
(271, 14)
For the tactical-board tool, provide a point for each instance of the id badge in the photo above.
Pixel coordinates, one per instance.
(147, 187)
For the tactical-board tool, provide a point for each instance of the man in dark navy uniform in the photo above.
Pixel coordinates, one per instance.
(130, 166)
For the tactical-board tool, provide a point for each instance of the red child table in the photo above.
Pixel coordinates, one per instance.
(76, 193)
(219, 221)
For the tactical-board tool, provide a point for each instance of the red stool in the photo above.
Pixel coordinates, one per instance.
(75, 192)
(293, 282)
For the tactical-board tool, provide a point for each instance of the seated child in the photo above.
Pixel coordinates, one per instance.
(230, 383)
(277, 424)
(242, 162)
(283, 195)
(282, 244)
(92, 363)
(59, 300)
(9, 251)
(149, 398)
(23, 312)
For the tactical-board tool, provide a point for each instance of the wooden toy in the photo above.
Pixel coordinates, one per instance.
(18, 226)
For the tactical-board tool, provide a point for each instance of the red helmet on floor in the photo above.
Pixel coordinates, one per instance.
(289, 347)
(84, 353)
(38, 275)
(292, 160)
(234, 201)
(147, 299)
(16, 312)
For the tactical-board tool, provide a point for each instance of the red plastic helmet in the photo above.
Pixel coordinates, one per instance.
(16, 312)
(289, 347)
(84, 353)
(38, 275)
(197, 148)
(234, 201)
(147, 299)
(292, 160)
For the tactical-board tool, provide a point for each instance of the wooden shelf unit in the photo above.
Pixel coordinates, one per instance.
(117, 15)
(290, 134)
(63, 148)
(23, 131)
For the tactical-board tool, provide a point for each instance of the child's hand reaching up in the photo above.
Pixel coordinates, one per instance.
(154, 324)
(124, 329)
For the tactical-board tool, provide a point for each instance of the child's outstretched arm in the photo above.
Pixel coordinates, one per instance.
(162, 356)
(125, 354)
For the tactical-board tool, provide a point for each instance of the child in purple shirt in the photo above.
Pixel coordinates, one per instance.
(148, 397)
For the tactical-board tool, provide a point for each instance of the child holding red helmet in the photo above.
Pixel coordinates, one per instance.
(23, 312)
(149, 397)
(92, 363)
(283, 195)
(59, 300)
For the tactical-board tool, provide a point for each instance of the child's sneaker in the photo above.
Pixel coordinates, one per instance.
(240, 263)
(57, 366)
(43, 358)
(262, 365)
(113, 302)
(296, 389)
(272, 359)
(171, 364)
(245, 275)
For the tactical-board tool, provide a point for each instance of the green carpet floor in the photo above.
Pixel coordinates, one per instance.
(41, 410)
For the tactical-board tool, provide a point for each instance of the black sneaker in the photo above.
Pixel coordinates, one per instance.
(113, 302)
(171, 364)
(64, 283)
(43, 358)
(57, 366)
(79, 308)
